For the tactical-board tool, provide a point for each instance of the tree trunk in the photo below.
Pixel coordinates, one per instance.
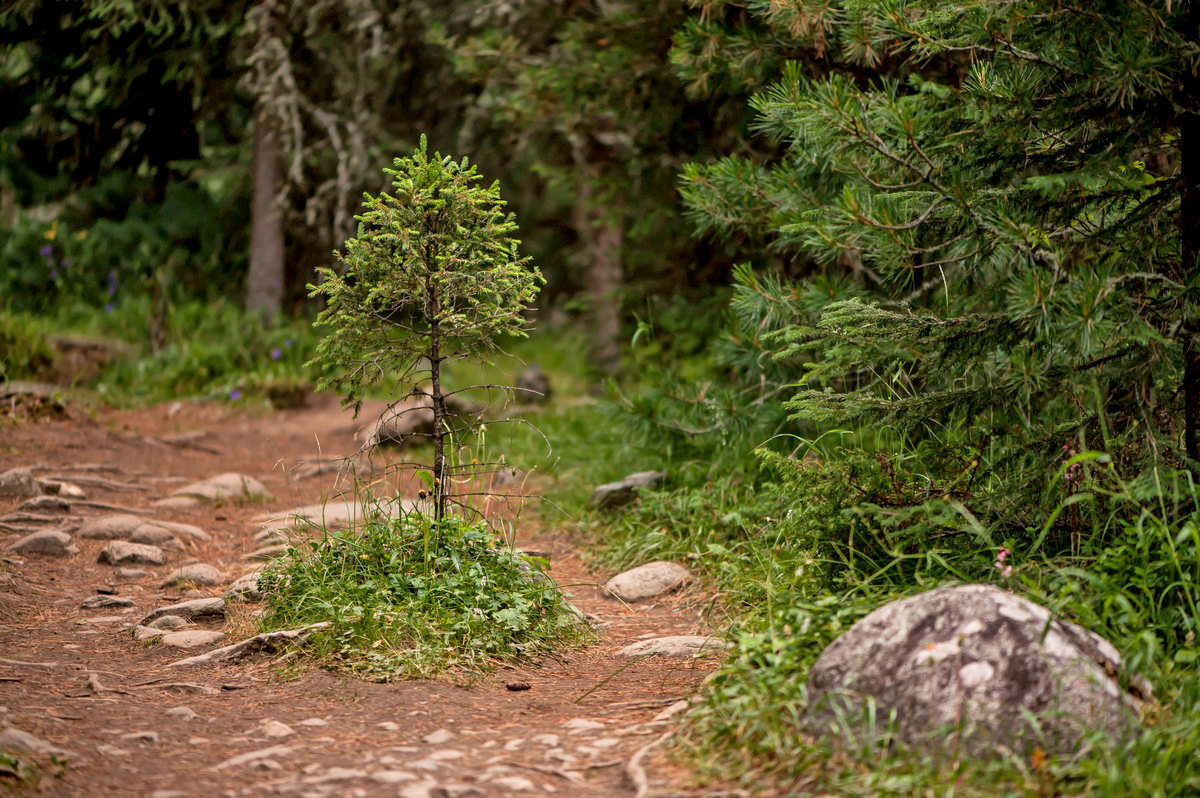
(600, 237)
(1189, 229)
(264, 282)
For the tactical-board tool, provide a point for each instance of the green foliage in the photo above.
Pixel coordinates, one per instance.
(433, 277)
(410, 598)
(24, 353)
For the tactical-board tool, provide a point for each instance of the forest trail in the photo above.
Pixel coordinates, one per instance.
(76, 679)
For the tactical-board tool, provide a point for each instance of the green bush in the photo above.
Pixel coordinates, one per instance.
(24, 353)
(410, 598)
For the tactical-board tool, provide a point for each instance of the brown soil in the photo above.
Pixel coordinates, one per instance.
(368, 728)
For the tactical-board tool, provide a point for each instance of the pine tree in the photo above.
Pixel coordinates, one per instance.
(432, 277)
(1018, 201)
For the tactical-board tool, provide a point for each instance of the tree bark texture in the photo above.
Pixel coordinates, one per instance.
(264, 282)
(600, 236)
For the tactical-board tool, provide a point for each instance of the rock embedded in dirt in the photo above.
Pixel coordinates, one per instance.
(145, 738)
(197, 574)
(122, 552)
(131, 573)
(977, 661)
(225, 487)
(45, 504)
(143, 633)
(51, 542)
(648, 581)
(105, 602)
(123, 526)
(252, 756)
(273, 728)
(267, 641)
(192, 639)
(177, 503)
(19, 482)
(13, 739)
(438, 737)
(673, 646)
(245, 588)
(154, 535)
(196, 608)
(616, 494)
(167, 623)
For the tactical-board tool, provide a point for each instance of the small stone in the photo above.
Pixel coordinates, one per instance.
(19, 482)
(616, 494)
(425, 764)
(101, 602)
(52, 542)
(517, 687)
(225, 486)
(197, 574)
(121, 552)
(141, 738)
(391, 776)
(196, 608)
(422, 789)
(143, 633)
(168, 794)
(183, 713)
(577, 725)
(336, 774)
(549, 740)
(45, 504)
(605, 742)
(388, 725)
(245, 588)
(118, 526)
(198, 638)
(251, 756)
(514, 783)
(111, 751)
(131, 573)
(63, 490)
(648, 581)
(675, 646)
(446, 754)
(438, 737)
(514, 744)
(313, 722)
(167, 623)
(153, 535)
(673, 710)
(273, 728)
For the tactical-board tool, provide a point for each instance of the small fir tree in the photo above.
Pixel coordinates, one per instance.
(433, 276)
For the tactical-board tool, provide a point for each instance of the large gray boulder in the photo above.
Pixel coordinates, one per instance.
(616, 494)
(53, 542)
(966, 668)
(225, 487)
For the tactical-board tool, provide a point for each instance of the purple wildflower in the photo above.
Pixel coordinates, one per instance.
(287, 343)
(235, 394)
(46, 251)
(108, 307)
(54, 274)
(65, 262)
(112, 282)
(276, 353)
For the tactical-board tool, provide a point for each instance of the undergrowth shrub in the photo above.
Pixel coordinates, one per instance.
(410, 598)
(24, 353)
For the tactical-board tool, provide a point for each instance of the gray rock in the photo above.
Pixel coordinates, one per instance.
(131, 573)
(19, 482)
(196, 608)
(267, 641)
(616, 494)
(154, 535)
(143, 633)
(252, 756)
(122, 526)
(13, 739)
(48, 541)
(177, 503)
(245, 588)
(167, 623)
(196, 638)
(675, 646)
(197, 574)
(967, 667)
(225, 487)
(122, 552)
(647, 581)
(45, 504)
(183, 713)
(105, 602)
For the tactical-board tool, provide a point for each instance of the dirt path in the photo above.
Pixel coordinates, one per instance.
(76, 679)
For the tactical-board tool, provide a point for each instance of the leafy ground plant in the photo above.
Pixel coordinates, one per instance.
(406, 602)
